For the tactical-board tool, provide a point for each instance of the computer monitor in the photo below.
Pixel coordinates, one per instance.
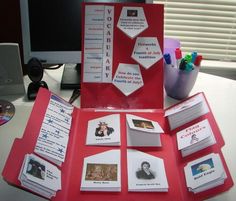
(51, 31)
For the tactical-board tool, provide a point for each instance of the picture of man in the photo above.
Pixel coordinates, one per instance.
(103, 130)
(145, 172)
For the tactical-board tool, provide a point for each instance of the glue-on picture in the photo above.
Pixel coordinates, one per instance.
(202, 166)
(144, 171)
(194, 139)
(143, 124)
(132, 13)
(101, 172)
(36, 169)
(103, 130)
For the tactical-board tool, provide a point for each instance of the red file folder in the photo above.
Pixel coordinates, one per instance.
(77, 150)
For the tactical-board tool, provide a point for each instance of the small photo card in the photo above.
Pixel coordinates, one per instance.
(40, 176)
(101, 172)
(142, 132)
(205, 173)
(146, 173)
(104, 131)
(195, 138)
(187, 111)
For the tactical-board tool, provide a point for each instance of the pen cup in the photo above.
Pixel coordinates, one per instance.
(179, 83)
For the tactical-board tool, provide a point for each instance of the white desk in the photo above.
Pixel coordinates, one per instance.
(220, 93)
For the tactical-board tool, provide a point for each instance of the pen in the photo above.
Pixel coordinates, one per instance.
(167, 58)
(178, 56)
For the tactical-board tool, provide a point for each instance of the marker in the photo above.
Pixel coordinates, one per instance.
(178, 56)
(198, 60)
(167, 58)
(189, 67)
(194, 56)
(188, 58)
(182, 64)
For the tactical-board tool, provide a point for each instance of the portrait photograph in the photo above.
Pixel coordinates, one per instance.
(145, 171)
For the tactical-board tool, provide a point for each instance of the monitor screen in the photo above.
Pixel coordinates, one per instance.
(51, 30)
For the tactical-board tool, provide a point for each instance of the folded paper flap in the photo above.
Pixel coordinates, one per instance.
(142, 124)
(186, 104)
(228, 183)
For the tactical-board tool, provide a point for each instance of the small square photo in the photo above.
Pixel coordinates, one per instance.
(101, 172)
(142, 124)
(36, 169)
(202, 166)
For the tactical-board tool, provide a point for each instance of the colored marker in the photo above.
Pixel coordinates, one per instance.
(182, 64)
(194, 56)
(178, 56)
(167, 58)
(188, 58)
(198, 60)
(189, 67)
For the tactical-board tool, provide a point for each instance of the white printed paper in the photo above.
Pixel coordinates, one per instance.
(187, 111)
(147, 51)
(142, 132)
(53, 137)
(98, 43)
(146, 173)
(132, 21)
(204, 173)
(40, 176)
(128, 78)
(101, 172)
(195, 138)
(104, 131)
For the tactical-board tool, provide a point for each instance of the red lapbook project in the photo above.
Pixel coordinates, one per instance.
(122, 63)
(78, 149)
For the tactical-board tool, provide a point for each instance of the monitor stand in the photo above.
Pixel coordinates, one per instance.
(71, 76)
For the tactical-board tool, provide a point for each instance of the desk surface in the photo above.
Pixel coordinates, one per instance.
(220, 93)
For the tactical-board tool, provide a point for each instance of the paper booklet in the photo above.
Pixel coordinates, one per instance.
(205, 173)
(115, 172)
(104, 131)
(146, 173)
(54, 133)
(102, 172)
(122, 56)
(40, 176)
(195, 138)
(142, 132)
(186, 111)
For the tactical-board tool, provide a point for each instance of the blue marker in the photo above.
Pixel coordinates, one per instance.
(194, 56)
(167, 58)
